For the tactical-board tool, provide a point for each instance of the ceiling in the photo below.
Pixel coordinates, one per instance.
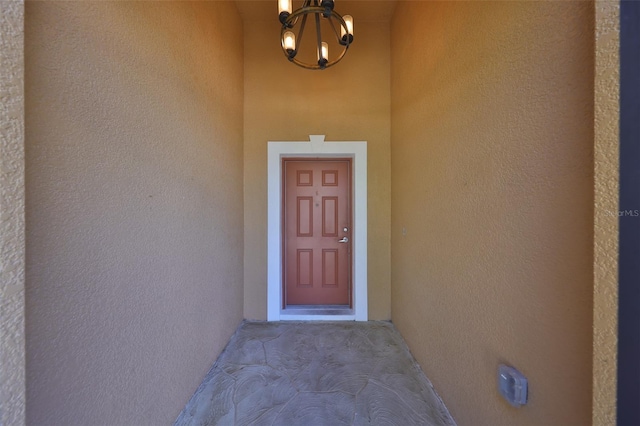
(361, 10)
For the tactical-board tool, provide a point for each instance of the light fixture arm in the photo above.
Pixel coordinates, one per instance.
(322, 61)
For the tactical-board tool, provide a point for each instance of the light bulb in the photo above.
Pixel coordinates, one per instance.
(348, 19)
(324, 51)
(289, 41)
(284, 6)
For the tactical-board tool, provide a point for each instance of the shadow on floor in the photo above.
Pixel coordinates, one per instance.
(311, 374)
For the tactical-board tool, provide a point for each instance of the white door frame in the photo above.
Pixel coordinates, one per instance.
(316, 147)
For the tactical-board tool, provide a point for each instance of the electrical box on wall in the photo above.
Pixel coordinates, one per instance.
(512, 385)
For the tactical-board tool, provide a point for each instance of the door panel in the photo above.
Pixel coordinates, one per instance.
(329, 216)
(317, 210)
(304, 216)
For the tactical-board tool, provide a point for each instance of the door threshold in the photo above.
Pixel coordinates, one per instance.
(319, 310)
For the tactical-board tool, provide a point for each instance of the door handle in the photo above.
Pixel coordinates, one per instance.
(344, 240)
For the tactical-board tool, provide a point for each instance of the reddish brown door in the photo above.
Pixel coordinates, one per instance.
(317, 232)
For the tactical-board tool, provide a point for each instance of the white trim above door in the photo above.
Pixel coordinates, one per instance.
(316, 147)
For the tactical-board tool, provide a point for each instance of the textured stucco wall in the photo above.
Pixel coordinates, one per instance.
(283, 102)
(492, 178)
(606, 159)
(12, 336)
(133, 205)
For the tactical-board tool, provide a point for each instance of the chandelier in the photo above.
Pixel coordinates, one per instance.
(326, 20)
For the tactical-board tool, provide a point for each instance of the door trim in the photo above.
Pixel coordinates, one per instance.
(316, 147)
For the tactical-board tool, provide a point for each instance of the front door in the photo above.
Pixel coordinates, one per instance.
(317, 231)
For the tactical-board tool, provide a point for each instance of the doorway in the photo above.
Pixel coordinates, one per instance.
(317, 149)
(317, 233)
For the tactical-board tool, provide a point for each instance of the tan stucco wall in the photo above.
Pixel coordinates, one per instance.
(492, 177)
(286, 103)
(12, 335)
(606, 156)
(134, 205)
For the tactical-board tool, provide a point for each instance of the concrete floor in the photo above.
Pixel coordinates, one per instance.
(311, 374)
